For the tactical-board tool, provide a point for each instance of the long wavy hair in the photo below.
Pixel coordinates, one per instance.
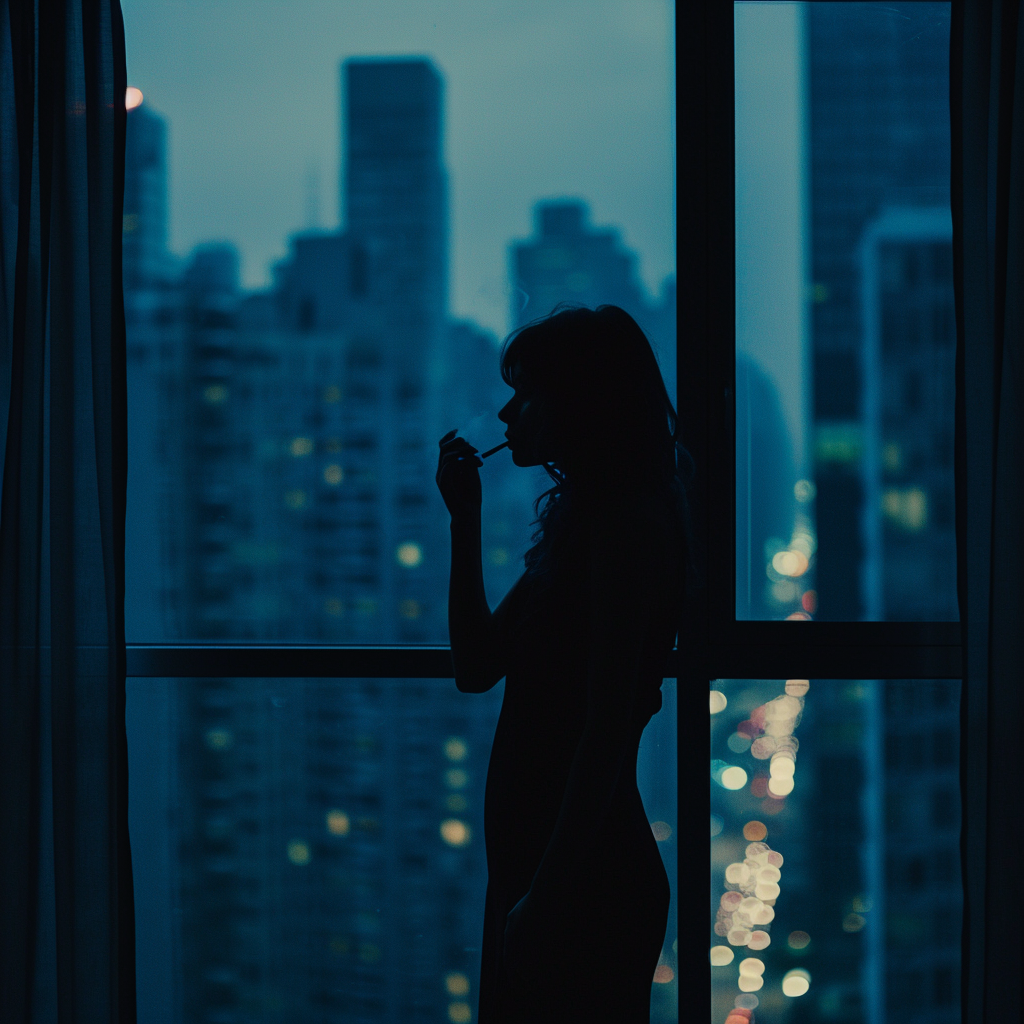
(616, 427)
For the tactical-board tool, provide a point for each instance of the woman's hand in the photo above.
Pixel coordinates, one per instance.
(458, 476)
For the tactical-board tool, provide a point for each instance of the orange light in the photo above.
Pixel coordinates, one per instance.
(810, 601)
(663, 974)
(132, 98)
(754, 830)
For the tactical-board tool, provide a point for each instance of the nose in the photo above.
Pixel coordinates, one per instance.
(503, 413)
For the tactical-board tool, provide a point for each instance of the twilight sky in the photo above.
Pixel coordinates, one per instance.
(544, 98)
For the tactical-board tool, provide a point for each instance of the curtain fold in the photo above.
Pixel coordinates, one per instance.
(987, 115)
(67, 941)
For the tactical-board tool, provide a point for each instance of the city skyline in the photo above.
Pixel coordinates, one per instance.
(560, 131)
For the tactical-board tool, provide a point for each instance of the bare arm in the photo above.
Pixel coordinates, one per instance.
(476, 634)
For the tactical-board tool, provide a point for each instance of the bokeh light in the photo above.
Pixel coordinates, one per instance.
(456, 748)
(716, 825)
(796, 982)
(750, 983)
(298, 852)
(456, 983)
(798, 940)
(755, 830)
(409, 554)
(780, 786)
(759, 939)
(738, 743)
(219, 739)
(132, 98)
(338, 823)
(663, 974)
(752, 966)
(720, 956)
(718, 701)
(662, 831)
(734, 778)
(737, 873)
(455, 832)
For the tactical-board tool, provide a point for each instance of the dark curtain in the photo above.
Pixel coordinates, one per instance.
(66, 941)
(987, 109)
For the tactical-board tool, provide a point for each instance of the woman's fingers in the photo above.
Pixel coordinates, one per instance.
(457, 443)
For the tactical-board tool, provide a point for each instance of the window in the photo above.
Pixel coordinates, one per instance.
(786, 380)
(185, 331)
(342, 209)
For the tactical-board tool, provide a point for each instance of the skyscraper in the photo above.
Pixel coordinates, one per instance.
(150, 303)
(329, 837)
(879, 136)
(883, 342)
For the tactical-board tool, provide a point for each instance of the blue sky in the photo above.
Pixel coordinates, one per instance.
(544, 98)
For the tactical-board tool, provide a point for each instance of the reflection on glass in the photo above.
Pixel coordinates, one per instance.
(835, 867)
(844, 313)
(290, 371)
(312, 850)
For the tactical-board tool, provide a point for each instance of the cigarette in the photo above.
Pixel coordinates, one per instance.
(497, 448)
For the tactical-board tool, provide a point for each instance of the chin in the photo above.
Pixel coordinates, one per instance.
(523, 460)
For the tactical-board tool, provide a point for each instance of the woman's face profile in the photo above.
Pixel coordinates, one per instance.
(529, 423)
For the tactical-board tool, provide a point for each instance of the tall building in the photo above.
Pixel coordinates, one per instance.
(150, 303)
(879, 136)
(906, 269)
(329, 836)
(883, 341)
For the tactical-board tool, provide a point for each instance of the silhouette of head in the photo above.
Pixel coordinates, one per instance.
(590, 406)
(590, 400)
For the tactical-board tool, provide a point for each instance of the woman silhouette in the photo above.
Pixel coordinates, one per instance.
(577, 896)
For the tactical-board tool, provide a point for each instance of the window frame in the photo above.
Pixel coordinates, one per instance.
(717, 645)
(706, 256)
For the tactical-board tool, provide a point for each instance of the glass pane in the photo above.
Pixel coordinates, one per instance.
(845, 331)
(835, 859)
(331, 218)
(312, 850)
